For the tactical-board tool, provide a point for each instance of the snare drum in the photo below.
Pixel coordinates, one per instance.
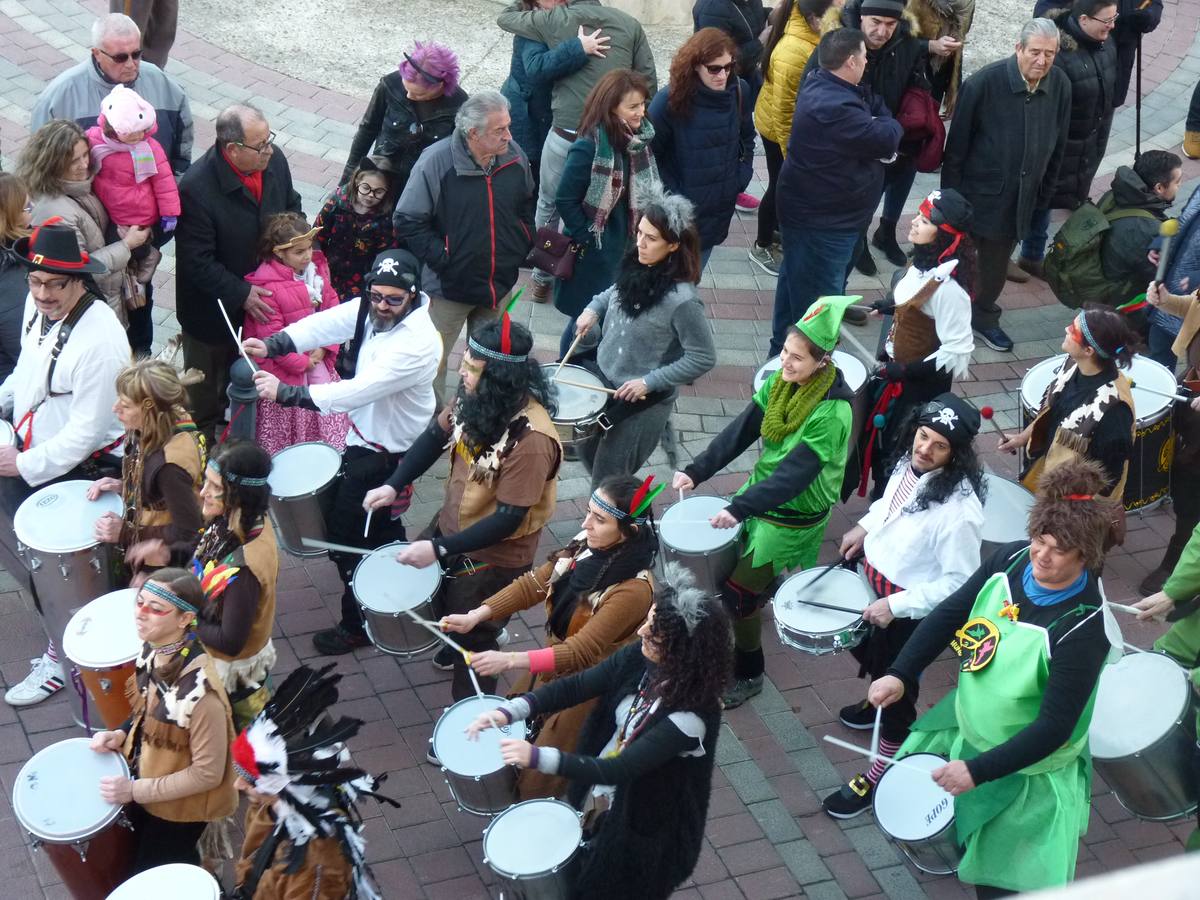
(852, 370)
(179, 881)
(56, 798)
(578, 415)
(812, 629)
(532, 848)
(1150, 464)
(56, 539)
(1005, 513)
(479, 781)
(384, 589)
(101, 640)
(711, 554)
(301, 481)
(914, 811)
(1142, 735)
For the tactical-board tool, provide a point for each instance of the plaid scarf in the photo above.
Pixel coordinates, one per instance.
(608, 180)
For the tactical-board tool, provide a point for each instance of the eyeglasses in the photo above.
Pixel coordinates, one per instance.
(122, 58)
(144, 606)
(714, 69)
(367, 191)
(50, 284)
(267, 145)
(390, 300)
(1109, 21)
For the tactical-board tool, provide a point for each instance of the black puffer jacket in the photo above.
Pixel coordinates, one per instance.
(1123, 255)
(399, 128)
(1092, 69)
(13, 289)
(896, 66)
(742, 20)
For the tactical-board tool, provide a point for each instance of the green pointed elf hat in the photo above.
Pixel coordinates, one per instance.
(823, 320)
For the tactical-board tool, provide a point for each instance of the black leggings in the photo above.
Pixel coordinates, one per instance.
(768, 214)
(158, 842)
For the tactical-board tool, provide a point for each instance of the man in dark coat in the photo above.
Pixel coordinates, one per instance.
(226, 196)
(1151, 184)
(897, 59)
(831, 179)
(1003, 154)
(1088, 58)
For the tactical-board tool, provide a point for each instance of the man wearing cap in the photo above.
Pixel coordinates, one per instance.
(920, 542)
(389, 399)
(803, 416)
(504, 461)
(60, 396)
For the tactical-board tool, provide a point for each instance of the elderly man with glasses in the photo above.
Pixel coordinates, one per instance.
(389, 398)
(226, 196)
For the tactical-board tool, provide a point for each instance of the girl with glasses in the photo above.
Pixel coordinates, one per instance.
(356, 226)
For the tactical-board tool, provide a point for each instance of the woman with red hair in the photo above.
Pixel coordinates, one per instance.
(704, 132)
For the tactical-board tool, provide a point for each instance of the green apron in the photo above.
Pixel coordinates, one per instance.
(1020, 832)
(826, 431)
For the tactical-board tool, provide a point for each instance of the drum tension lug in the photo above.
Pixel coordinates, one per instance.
(66, 573)
(81, 849)
(604, 421)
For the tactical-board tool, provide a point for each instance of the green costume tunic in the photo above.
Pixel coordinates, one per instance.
(1020, 832)
(826, 431)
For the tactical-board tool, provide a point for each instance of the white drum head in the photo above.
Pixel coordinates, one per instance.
(841, 587)
(178, 881)
(385, 586)
(102, 634)
(848, 364)
(472, 758)
(765, 372)
(59, 518)
(1142, 371)
(1033, 385)
(303, 469)
(1141, 696)
(910, 806)
(684, 526)
(532, 837)
(574, 403)
(1005, 510)
(57, 793)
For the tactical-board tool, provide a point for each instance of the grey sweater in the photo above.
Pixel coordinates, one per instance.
(667, 345)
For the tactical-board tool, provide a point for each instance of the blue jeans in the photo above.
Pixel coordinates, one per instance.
(1159, 343)
(1034, 245)
(814, 265)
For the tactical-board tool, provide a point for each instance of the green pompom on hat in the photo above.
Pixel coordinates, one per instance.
(823, 320)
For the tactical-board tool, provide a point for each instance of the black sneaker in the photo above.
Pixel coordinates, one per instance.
(850, 799)
(859, 716)
(444, 659)
(996, 338)
(855, 315)
(741, 691)
(865, 263)
(338, 641)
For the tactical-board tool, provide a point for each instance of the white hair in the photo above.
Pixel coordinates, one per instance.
(473, 114)
(113, 25)
(1040, 27)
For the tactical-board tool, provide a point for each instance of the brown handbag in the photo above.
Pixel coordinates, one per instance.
(555, 253)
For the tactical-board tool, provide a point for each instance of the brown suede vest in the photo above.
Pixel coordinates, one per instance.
(261, 556)
(914, 333)
(182, 450)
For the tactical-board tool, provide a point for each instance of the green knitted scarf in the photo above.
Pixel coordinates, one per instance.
(789, 404)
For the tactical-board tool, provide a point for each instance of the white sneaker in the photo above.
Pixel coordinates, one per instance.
(503, 638)
(45, 679)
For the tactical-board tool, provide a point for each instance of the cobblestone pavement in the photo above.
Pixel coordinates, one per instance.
(766, 837)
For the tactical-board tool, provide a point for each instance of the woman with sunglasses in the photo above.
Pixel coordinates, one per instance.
(356, 226)
(642, 771)
(177, 739)
(1087, 411)
(411, 109)
(704, 133)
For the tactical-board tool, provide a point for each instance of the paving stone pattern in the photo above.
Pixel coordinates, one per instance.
(766, 837)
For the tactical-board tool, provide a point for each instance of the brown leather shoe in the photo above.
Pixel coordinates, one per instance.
(1016, 273)
(1034, 267)
(1191, 144)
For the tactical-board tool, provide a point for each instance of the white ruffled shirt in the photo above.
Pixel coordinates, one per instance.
(950, 309)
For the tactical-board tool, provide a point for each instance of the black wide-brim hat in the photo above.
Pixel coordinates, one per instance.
(54, 247)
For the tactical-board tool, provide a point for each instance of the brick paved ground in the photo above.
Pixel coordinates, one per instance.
(766, 836)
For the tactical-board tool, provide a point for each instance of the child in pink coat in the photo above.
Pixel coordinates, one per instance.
(298, 278)
(133, 178)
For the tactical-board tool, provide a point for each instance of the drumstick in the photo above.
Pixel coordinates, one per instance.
(875, 731)
(234, 334)
(442, 636)
(889, 760)
(845, 609)
(475, 681)
(567, 355)
(367, 527)
(829, 568)
(341, 548)
(1132, 610)
(1179, 397)
(586, 387)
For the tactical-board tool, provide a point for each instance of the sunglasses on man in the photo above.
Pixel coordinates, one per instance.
(122, 58)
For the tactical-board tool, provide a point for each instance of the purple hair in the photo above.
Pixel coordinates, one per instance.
(435, 59)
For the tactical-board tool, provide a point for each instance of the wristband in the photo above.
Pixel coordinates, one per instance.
(541, 660)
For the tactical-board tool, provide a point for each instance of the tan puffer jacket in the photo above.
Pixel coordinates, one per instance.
(777, 98)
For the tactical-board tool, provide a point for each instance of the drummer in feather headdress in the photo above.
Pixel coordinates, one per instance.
(803, 415)
(303, 829)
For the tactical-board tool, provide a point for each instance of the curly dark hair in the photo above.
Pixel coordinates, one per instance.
(1113, 333)
(504, 387)
(928, 256)
(964, 465)
(1069, 507)
(701, 48)
(245, 505)
(694, 667)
